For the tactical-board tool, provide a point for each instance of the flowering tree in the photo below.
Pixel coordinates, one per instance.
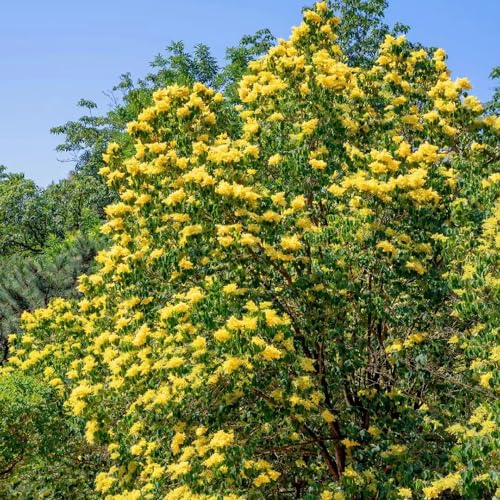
(301, 296)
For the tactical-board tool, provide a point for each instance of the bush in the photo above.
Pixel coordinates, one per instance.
(42, 453)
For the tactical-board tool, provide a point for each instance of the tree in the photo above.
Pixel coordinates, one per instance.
(86, 138)
(494, 104)
(31, 217)
(30, 282)
(292, 304)
(24, 225)
(363, 29)
(76, 204)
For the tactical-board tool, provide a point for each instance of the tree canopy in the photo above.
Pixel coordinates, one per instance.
(300, 298)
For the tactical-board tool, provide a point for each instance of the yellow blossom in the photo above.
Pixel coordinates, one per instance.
(291, 243)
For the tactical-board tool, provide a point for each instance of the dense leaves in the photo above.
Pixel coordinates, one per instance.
(363, 29)
(35, 437)
(24, 224)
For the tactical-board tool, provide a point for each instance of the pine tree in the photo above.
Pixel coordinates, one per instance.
(30, 282)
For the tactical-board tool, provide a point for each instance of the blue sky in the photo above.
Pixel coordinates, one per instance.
(54, 52)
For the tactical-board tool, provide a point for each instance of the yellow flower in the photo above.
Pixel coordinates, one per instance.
(185, 263)
(321, 6)
(232, 289)
(222, 335)
(221, 439)
(143, 199)
(275, 159)
(387, 247)
(291, 243)
(248, 239)
(310, 126)
(449, 482)
(374, 431)
(394, 347)
(214, 459)
(90, 430)
(103, 482)
(312, 17)
(270, 353)
(317, 164)
(350, 473)
(276, 117)
(415, 265)
(404, 493)
(349, 443)
(261, 479)
(273, 319)
(135, 428)
(484, 380)
(279, 199)
(178, 469)
(177, 441)
(270, 216)
(199, 344)
(328, 416)
(245, 323)
(231, 364)
(298, 203)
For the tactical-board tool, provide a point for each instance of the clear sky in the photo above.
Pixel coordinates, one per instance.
(54, 52)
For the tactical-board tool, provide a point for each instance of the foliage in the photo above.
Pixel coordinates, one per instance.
(494, 104)
(24, 225)
(301, 296)
(475, 456)
(76, 204)
(30, 282)
(31, 217)
(363, 29)
(181, 67)
(34, 436)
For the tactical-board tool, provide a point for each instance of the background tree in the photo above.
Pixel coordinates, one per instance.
(363, 29)
(494, 104)
(30, 282)
(24, 222)
(76, 204)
